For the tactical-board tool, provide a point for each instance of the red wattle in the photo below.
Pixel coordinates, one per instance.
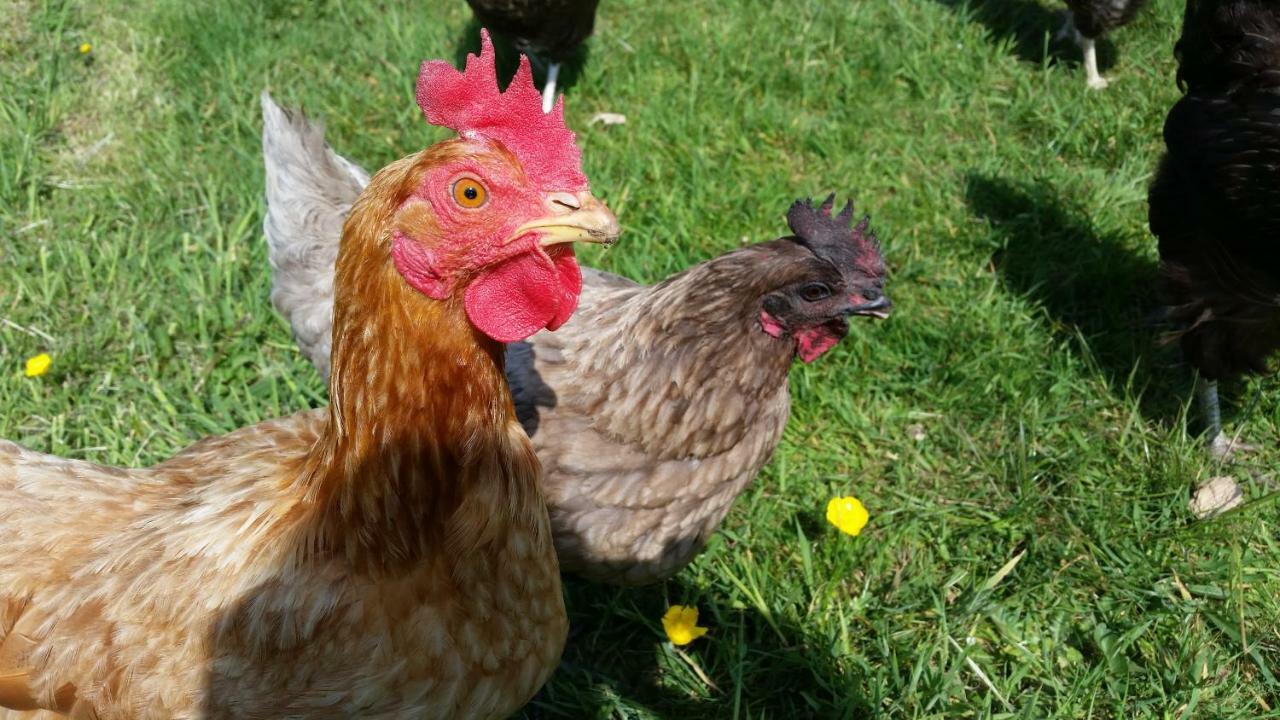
(570, 287)
(812, 342)
(522, 295)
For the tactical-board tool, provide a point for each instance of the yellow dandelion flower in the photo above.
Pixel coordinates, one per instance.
(38, 365)
(681, 624)
(847, 514)
(85, 48)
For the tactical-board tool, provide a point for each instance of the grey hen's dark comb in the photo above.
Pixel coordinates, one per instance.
(833, 238)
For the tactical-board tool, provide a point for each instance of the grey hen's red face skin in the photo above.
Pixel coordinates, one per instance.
(845, 277)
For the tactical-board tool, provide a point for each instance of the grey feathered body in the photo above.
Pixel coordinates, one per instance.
(650, 413)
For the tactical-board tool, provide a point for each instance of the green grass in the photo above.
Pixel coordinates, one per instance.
(1015, 407)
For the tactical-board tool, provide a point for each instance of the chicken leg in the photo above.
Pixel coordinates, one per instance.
(1210, 409)
(1094, 80)
(549, 91)
(1088, 48)
(1221, 447)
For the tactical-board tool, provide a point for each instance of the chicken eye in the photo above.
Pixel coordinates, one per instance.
(469, 193)
(813, 292)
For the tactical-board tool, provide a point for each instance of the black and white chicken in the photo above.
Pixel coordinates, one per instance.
(548, 30)
(1089, 20)
(1215, 201)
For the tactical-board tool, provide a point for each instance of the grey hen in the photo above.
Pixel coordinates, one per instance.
(654, 407)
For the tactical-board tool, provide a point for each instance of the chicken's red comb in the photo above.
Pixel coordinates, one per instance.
(470, 102)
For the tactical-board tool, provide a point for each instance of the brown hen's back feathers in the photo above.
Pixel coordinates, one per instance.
(651, 409)
(387, 557)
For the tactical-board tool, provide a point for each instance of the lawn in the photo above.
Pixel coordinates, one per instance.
(1016, 429)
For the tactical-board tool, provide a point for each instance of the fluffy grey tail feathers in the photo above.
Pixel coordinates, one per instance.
(310, 190)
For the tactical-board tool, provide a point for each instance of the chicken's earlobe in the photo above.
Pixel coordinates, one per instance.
(417, 265)
(770, 325)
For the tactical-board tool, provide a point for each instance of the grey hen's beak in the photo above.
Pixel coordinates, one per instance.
(878, 308)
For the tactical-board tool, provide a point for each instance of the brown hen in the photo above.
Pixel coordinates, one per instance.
(387, 557)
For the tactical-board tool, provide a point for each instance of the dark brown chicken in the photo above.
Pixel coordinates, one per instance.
(1215, 202)
(672, 427)
(653, 407)
(551, 30)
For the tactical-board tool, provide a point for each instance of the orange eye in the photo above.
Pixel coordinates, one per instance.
(469, 193)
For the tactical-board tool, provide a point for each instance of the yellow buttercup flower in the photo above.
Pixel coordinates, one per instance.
(847, 514)
(681, 624)
(85, 48)
(38, 365)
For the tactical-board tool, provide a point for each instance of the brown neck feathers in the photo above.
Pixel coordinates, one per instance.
(420, 414)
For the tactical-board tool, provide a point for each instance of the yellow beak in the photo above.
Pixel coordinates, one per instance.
(572, 217)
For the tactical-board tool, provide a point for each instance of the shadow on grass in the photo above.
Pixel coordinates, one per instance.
(616, 660)
(509, 59)
(1031, 29)
(1088, 283)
